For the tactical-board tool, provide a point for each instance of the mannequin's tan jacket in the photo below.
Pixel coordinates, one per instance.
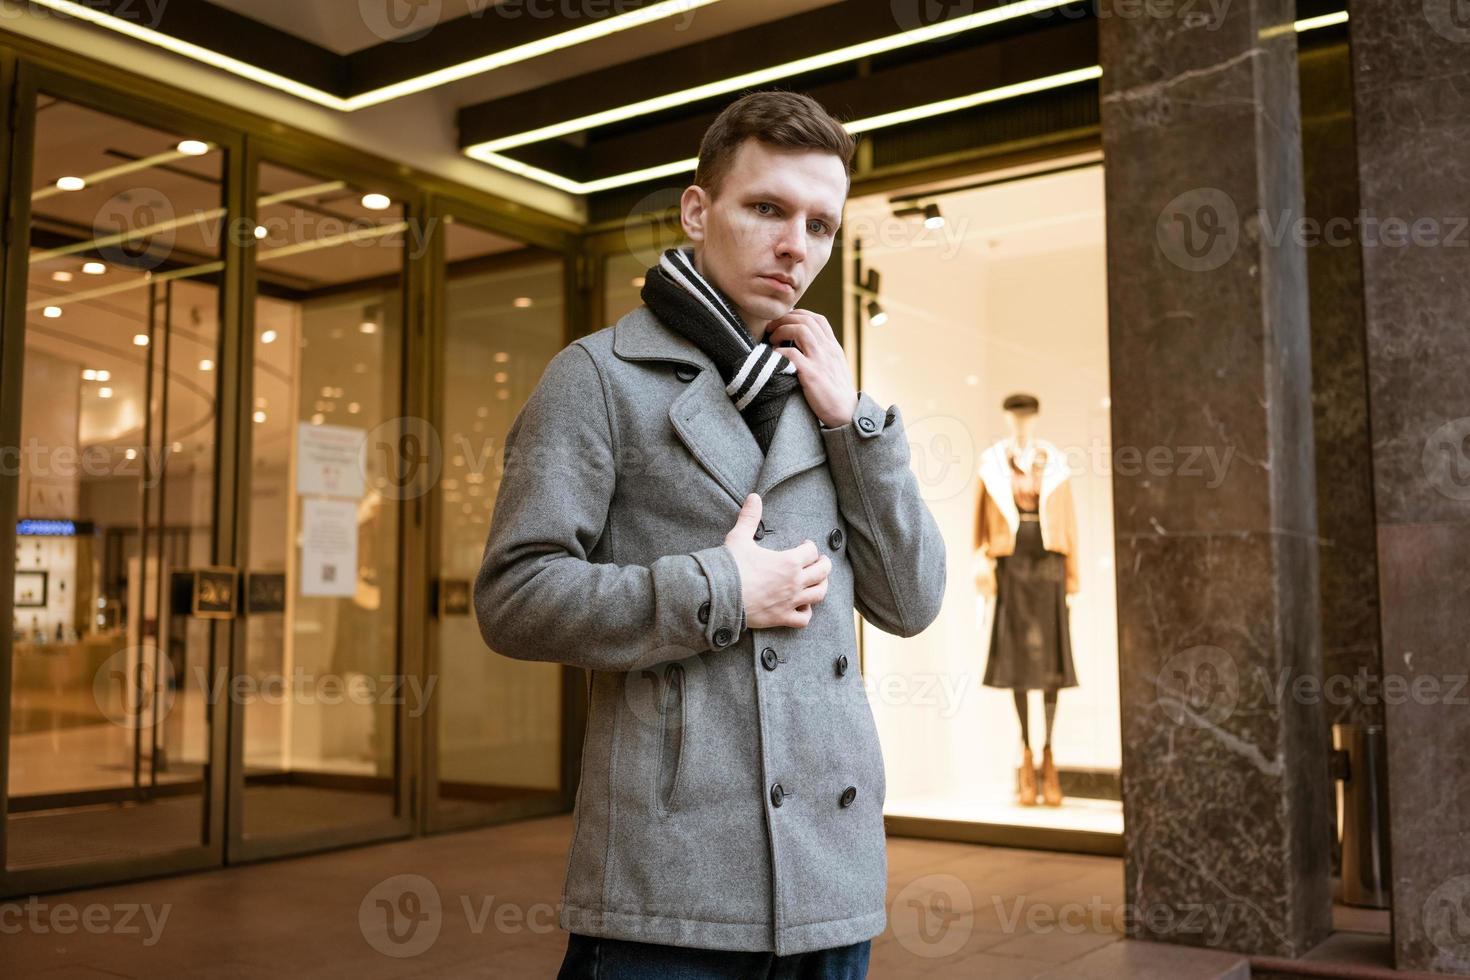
(997, 519)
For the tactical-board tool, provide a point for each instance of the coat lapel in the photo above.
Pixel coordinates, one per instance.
(709, 424)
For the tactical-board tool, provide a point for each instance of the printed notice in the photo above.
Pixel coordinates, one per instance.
(329, 460)
(328, 547)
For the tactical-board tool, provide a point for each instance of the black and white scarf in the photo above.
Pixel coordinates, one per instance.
(756, 378)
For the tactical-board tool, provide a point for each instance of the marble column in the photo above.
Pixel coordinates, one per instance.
(1411, 82)
(1225, 778)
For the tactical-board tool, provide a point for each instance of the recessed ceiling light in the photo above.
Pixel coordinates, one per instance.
(258, 416)
(88, 374)
(131, 454)
(104, 375)
(367, 326)
(140, 340)
(61, 275)
(521, 302)
(70, 183)
(637, 282)
(94, 268)
(260, 231)
(376, 202)
(51, 312)
(206, 365)
(268, 336)
(192, 148)
(104, 392)
(177, 447)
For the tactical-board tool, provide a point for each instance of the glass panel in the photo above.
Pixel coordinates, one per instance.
(622, 285)
(109, 736)
(320, 692)
(974, 313)
(499, 719)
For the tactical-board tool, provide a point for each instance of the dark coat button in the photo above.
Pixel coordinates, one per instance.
(723, 636)
(686, 373)
(760, 530)
(777, 794)
(842, 665)
(704, 611)
(768, 658)
(834, 538)
(848, 795)
(866, 424)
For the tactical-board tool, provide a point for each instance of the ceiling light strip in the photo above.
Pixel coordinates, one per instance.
(122, 287)
(764, 76)
(443, 76)
(108, 241)
(525, 52)
(856, 126)
(479, 151)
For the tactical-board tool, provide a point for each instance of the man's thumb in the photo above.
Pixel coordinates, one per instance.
(749, 516)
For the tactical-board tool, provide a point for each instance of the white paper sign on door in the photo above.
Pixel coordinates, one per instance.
(328, 547)
(330, 460)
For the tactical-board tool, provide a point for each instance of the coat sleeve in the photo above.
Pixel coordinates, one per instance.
(538, 596)
(894, 544)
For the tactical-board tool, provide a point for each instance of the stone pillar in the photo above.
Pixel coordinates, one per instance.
(1225, 777)
(1411, 82)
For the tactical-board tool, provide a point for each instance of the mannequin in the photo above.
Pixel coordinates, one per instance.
(1026, 557)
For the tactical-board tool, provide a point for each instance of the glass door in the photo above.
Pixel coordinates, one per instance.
(323, 695)
(495, 739)
(122, 591)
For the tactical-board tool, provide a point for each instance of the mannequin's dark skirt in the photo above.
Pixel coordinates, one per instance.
(1031, 640)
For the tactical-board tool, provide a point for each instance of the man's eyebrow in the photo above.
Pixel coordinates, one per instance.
(784, 202)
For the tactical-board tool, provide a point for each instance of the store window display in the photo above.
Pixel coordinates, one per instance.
(981, 304)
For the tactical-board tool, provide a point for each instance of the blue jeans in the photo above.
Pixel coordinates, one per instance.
(594, 958)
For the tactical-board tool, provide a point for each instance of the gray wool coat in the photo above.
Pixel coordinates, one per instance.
(732, 782)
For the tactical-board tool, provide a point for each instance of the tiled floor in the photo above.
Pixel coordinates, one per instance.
(955, 910)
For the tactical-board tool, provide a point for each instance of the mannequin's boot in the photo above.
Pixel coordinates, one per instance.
(1051, 785)
(1026, 786)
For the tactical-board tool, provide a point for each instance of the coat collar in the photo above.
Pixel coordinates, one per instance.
(709, 424)
(996, 473)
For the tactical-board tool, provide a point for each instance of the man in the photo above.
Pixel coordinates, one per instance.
(691, 512)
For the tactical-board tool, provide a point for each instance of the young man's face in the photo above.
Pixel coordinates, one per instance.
(776, 217)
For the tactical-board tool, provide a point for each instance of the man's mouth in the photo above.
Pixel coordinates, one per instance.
(781, 282)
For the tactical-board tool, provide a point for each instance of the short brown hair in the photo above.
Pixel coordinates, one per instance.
(784, 119)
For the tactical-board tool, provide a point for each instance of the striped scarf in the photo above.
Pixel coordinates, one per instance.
(756, 377)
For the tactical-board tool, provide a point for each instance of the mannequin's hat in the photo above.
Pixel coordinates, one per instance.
(1021, 404)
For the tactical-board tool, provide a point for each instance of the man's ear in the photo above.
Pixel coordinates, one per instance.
(693, 207)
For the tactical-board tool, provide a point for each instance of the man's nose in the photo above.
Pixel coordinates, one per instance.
(793, 241)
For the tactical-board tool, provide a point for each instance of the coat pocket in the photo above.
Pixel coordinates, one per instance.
(672, 719)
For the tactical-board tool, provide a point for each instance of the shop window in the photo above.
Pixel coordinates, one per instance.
(965, 299)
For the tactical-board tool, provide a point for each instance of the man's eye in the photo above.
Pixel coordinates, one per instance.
(820, 228)
(762, 205)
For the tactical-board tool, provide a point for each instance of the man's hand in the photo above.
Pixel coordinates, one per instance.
(821, 366)
(778, 588)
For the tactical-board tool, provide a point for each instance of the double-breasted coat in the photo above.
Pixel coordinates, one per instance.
(732, 784)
